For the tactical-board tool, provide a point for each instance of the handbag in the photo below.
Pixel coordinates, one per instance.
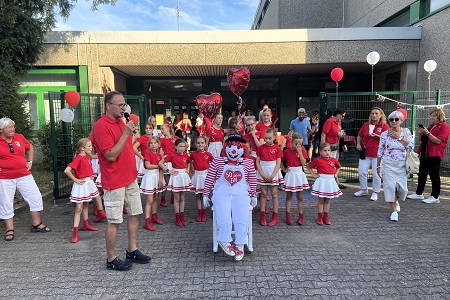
(412, 160)
(362, 153)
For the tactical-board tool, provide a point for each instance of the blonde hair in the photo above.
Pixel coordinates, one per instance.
(153, 138)
(81, 144)
(383, 116)
(440, 114)
(169, 127)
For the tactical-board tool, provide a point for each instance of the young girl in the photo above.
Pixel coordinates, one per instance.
(140, 147)
(167, 148)
(214, 136)
(287, 140)
(255, 137)
(83, 189)
(295, 179)
(266, 122)
(326, 186)
(268, 162)
(179, 181)
(200, 160)
(152, 182)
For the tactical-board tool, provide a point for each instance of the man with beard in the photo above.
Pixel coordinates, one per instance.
(302, 126)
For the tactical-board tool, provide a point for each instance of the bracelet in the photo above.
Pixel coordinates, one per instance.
(428, 133)
(30, 161)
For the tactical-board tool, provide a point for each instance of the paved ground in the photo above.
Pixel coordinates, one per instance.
(362, 255)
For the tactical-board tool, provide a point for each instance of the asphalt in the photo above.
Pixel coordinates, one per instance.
(362, 255)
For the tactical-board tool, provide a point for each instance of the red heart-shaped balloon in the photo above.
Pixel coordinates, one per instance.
(233, 177)
(238, 80)
(209, 105)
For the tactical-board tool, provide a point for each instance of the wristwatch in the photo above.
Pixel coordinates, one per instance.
(30, 161)
(399, 139)
(428, 133)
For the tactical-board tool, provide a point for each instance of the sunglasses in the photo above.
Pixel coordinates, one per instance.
(11, 148)
(394, 119)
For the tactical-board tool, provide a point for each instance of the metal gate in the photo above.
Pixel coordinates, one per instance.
(359, 106)
(64, 136)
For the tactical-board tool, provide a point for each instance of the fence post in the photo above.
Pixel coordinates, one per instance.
(438, 97)
(142, 112)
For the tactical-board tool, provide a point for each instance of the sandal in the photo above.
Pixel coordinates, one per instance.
(42, 229)
(9, 236)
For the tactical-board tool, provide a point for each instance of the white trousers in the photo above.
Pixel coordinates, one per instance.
(335, 154)
(363, 169)
(27, 188)
(231, 210)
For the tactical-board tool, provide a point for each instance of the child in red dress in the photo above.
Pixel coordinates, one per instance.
(140, 146)
(266, 122)
(215, 136)
(167, 147)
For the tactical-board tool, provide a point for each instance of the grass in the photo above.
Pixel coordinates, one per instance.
(43, 177)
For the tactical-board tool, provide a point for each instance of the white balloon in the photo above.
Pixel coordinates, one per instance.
(373, 58)
(66, 115)
(430, 65)
(128, 109)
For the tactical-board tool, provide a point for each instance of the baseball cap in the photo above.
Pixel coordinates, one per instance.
(301, 110)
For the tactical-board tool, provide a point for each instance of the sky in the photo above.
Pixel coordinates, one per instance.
(162, 15)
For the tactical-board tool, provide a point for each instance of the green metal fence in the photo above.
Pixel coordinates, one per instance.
(64, 136)
(359, 106)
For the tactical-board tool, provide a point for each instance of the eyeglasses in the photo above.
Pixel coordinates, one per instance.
(121, 105)
(250, 124)
(11, 148)
(394, 119)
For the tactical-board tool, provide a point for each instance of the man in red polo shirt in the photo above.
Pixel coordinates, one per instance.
(113, 143)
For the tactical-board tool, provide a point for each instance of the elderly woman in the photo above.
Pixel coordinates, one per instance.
(15, 174)
(367, 140)
(392, 152)
(432, 148)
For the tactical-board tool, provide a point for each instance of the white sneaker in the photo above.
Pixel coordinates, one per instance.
(431, 200)
(227, 248)
(397, 207)
(415, 197)
(239, 252)
(374, 197)
(361, 193)
(394, 216)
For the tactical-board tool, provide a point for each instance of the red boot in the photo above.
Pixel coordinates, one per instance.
(125, 211)
(320, 218)
(100, 215)
(199, 215)
(274, 220)
(326, 221)
(156, 220)
(204, 215)
(163, 201)
(288, 218)
(74, 238)
(262, 219)
(148, 224)
(88, 227)
(178, 220)
(171, 199)
(95, 210)
(300, 219)
(183, 221)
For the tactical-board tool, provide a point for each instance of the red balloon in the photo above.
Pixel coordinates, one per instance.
(72, 98)
(209, 105)
(238, 80)
(337, 74)
(403, 112)
(134, 118)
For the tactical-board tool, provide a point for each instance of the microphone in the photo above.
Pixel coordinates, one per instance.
(127, 116)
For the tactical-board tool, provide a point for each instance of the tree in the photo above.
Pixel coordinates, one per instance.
(23, 25)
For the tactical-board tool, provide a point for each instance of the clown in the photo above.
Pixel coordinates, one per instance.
(234, 181)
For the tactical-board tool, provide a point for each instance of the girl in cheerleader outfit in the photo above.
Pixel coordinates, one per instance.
(167, 143)
(152, 182)
(214, 136)
(268, 162)
(83, 189)
(140, 147)
(179, 181)
(295, 180)
(255, 137)
(200, 160)
(266, 122)
(325, 186)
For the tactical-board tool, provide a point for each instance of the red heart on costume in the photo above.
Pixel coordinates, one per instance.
(233, 177)
(238, 80)
(209, 105)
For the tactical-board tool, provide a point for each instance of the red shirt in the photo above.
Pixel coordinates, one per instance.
(121, 172)
(143, 144)
(82, 166)
(178, 161)
(325, 166)
(331, 129)
(201, 160)
(249, 137)
(14, 165)
(292, 157)
(168, 145)
(370, 142)
(215, 135)
(269, 153)
(441, 131)
(288, 144)
(262, 127)
(152, 157)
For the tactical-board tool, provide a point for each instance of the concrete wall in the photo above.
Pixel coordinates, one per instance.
(271, 17)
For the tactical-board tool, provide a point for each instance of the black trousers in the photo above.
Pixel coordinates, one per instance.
(432, 166)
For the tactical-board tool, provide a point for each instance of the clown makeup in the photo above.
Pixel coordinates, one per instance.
(234, 151)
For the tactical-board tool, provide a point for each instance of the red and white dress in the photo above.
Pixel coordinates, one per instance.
(168, 147)
(263, 127)
(268, 156)
(180, 182)
(150, 180)
(216, 137)
(83, 170)
(201, 160)
(325, 186)
(143, 146)
(249, 137)
(295, 180)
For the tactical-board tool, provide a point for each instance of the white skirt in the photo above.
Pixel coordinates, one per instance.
(198, 181)
(295, 180)
(150, 182)
(394, 180)
(98, 180)
(139, 166)
(215, 148)
(267, 167)
(83, 192)
(95, 166)
(326, 187)
(180, 183)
